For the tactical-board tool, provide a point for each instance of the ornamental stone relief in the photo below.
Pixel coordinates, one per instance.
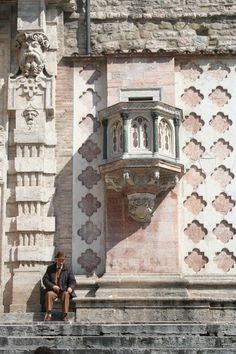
(32, 47)
(225, 260)
(90, 123)
(221, 149)
(89, 260)
(192, 97)
(218, 70)
(222, 175)
(89, 232)
(193, 123)
(30, 114)
(223, 203)
(141, 206)
(196, 231)
(220, 122)
(219, 96)
(196, 260)
(89, 150)
(89, 204)
(224, 231)
(90, 73)
(191, 71)
(195, 203)
(195, 176)
(89, 177)
(194, 149)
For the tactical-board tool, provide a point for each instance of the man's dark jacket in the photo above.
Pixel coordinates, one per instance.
(66, 279)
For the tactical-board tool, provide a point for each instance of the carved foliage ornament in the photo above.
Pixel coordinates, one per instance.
(141, 206)
(31, 48)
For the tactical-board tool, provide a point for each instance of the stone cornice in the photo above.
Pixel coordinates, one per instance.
(66, 5)
(160, 107)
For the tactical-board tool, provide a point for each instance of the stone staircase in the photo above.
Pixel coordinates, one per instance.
(76, 338)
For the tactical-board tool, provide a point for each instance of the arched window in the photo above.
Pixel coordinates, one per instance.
(116, 138)
(140, 133)
(165, 139)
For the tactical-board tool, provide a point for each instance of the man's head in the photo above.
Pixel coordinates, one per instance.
(60, 258)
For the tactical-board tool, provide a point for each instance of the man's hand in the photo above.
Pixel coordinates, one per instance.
(69, 290)
(56, 289)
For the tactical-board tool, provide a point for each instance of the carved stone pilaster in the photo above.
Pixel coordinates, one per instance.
(31, 103)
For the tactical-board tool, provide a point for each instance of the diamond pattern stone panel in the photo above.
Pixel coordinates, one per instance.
(222, 175)
(196, 260)
(89, 177)
(90, 74)
(219, 96)
(193, 123)
(192, 97)
(195, 203)
(221, 149)
(89, 204)
(191, 71)
(220, 122)
(89, 232)
(89, 99)
(194, 149)
(223, 203)
(89, 150)
(88, 121)
(225, 260)
(194, 176)
(89, 260)
(224, 231)
(219, 70)
(195, 231)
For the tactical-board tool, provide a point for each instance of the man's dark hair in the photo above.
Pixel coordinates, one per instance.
(43, 350)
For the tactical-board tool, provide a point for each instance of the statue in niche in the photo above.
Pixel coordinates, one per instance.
(141, 206)
(32, 47)
(30, 114)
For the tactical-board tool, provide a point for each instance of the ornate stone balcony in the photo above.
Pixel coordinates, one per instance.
(141, 151)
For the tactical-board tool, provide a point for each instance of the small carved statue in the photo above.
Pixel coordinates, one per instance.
(31, 52)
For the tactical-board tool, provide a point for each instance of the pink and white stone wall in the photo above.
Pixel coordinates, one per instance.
(206, 91)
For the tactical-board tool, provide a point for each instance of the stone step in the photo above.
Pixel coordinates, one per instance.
(124, 351)
(60, 328)
(75, 338)
(76, 329)
(180, 341)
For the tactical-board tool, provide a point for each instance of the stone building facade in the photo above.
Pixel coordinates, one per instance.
(117, 125)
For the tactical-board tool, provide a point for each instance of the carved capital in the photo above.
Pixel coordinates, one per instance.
(31, 47)
(141, 206)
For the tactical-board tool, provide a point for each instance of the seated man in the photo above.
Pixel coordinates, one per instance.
(59, 282)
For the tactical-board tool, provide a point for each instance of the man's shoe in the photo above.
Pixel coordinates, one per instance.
(65, 318)
(48, 317)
